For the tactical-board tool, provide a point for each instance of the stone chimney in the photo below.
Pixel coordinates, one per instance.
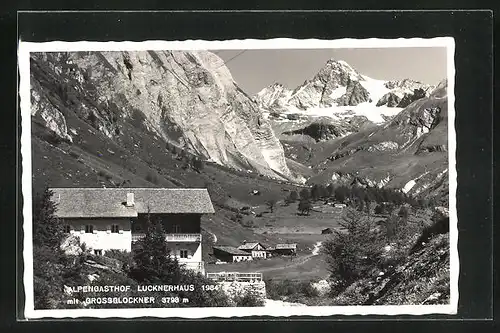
(130, 200)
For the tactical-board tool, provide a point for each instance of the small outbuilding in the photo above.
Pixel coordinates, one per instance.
(326, 231)
(230, 254)
(285, 249)
(257, 250)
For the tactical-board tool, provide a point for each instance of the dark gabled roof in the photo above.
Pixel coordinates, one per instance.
(250, 246)
(231, 250)
(110, 202)
(286, 246)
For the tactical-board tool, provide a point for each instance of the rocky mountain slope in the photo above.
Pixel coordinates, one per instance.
(409, 152)
(148, 104)
(186, 99)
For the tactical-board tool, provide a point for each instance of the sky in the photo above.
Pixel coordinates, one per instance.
(254, 70)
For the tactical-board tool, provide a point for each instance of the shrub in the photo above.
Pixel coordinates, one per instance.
(330, 190)
(318, 191)
(391, 226)
(293, 196)
(105, 175)
(307, 289)
(271, 204)
(439, 226)
(341, 193)
(126, 258)
(197, 164)
(403, 212)
(73, 154)
(237, 217)
(47, 230)
(249, 299)
(304, 207)
(53, 138)
(92, 118)
(305, 194)
(248, 224)
(383, 208)
(278, 289)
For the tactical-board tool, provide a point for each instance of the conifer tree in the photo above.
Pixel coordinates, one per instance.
(47, 229)
(304, 207)
(271, 204)
(153, 263)
(305, 194)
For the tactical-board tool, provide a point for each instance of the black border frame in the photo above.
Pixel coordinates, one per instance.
(473, 35)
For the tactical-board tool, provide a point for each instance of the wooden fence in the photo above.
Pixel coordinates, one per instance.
(235, 276)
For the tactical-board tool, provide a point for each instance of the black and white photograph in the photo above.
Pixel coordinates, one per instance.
(238, 178)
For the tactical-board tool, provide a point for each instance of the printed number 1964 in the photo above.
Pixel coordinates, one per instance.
(210, 287)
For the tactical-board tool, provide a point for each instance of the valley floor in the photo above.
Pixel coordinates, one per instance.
(302, 267)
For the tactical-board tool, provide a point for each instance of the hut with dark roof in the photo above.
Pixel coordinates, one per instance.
(230, 254)
(256, 249)
(285, 249)
(113, 218)
(327, 231)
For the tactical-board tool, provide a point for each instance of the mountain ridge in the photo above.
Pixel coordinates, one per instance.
(338, 87)
(409, 152)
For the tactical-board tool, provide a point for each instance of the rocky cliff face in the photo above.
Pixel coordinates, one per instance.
(326, 87)
(403, 92)
(354, 95)
(187, 99)
(273, 97)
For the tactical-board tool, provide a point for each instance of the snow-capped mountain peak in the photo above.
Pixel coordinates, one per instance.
(273, 96)
(340, 67)
(338, 90)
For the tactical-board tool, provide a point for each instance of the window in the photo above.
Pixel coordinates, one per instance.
(184, 254)
(89, 228)
(176, 228)
(115, 228)
(67, 228)
(98, 252)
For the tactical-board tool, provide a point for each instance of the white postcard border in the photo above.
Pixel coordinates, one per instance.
(279, 43)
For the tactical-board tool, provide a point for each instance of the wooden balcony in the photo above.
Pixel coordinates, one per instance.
(197, 266)
(193, 238)
(190, 238)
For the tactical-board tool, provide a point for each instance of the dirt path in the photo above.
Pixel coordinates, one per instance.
(295, 262)
(316, 248)
(292, 263)
(214, 237)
